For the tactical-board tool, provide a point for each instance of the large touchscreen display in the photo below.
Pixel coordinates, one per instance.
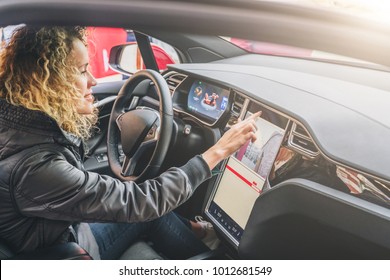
(245, 174)
(207, 100)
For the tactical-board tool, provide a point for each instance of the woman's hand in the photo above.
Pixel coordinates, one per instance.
(232, 140)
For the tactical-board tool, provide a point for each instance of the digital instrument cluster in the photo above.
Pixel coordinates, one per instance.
(207, 101)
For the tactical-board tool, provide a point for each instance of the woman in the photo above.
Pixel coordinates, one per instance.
(46, 197)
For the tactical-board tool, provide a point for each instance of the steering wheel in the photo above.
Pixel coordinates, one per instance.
(139, 128)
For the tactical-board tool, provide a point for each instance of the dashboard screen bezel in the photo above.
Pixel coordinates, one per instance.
(200, 108)
(209, 206)
(182, 93)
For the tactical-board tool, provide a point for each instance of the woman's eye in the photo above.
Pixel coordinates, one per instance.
(83, 72)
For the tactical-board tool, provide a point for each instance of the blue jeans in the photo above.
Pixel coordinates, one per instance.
(170, 235)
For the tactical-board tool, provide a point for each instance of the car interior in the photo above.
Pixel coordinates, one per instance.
(316, 183)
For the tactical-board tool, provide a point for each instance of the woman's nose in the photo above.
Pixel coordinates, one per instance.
(91, 80)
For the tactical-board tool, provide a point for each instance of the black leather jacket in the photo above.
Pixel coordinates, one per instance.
(44, 188)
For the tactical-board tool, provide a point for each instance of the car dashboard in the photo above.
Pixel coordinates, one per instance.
(308, 139)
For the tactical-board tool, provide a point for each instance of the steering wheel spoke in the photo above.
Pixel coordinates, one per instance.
(153, 134)
(128, 166)
(130, 162)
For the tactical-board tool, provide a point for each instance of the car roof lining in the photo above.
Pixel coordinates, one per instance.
(258, 20)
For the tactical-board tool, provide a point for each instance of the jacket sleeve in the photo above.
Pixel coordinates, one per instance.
(46, 185)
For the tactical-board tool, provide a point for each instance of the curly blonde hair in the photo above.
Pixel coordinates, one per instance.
(38, 73)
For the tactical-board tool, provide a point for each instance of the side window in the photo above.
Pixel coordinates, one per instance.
(6, 33)
(164, 53)
(102, 39)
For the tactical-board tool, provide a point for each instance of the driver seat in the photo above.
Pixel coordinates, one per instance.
(141, 250)
(66, 251)
(73, 251)
(5, 251)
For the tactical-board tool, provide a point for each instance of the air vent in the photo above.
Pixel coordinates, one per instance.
(238, 104)
(301, 141)
(239, 98)
(301, 131)
(174, 80)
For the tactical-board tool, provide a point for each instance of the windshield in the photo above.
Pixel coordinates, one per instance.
(289, 51)
(378, 10)
(368, 10)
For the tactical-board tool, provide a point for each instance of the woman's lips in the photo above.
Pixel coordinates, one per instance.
(89, 97)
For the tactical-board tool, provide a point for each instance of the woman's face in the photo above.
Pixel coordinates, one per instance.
(84, 80)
